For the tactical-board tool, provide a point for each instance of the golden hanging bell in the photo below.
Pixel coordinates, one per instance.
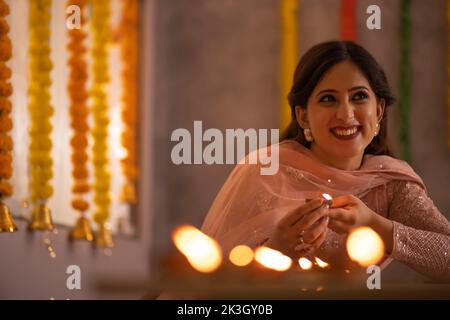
(103, 237)
(6, 221)
(41, 218)
(82, 230)
(128, 193)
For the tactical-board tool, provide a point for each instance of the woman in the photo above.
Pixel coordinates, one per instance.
(335, 144)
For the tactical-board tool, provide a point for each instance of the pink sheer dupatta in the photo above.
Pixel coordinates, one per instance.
(249, 204)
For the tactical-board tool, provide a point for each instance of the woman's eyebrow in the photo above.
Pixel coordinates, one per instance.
(334, 91)
(358, 88)
(325, 91)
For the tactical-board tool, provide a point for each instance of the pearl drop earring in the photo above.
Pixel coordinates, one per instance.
(308, 135)
(377, 130)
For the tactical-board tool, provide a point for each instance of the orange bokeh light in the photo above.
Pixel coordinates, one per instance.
(365, 246)
(241, 255)
(272, 259)
(203, 253)
(305, 264)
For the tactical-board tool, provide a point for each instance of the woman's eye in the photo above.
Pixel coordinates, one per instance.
(327, 98)
(360, 96)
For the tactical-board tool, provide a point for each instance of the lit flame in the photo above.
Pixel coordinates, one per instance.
(203, 253)
(328, 199)
(327, 196)
(241, 255)
(305, 264)
(321, 263)
(272, 259)
(365, 246)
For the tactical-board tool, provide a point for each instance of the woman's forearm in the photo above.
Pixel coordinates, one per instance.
(384, 227)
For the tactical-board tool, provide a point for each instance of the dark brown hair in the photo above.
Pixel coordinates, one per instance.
(311, 69)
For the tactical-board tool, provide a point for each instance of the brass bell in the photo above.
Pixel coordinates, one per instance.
(82, 230)
(41, 218)
(6, 221)
(103, 237)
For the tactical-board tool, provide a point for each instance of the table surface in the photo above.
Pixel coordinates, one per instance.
(286, 292)
(286, 289)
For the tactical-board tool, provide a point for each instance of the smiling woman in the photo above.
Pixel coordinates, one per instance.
(341, 79)
(336, 143)
(345, 118)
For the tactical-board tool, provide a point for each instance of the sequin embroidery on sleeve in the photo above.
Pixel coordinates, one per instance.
(421, 232)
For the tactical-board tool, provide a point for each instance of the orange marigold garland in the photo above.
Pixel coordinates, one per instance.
(129, 38)
(6, 143)
(289, 54)
(101, 12)
(348, 20)
(41, 111)
(78, 75)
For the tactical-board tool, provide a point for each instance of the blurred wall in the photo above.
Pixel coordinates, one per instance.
(218, 61)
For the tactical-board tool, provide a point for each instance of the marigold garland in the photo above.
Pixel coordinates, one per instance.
(129, 39)
(6, 142)
(348, 20)
(39, 107)
(289, 52)
(100, 17)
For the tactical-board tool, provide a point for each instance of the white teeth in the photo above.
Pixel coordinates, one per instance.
(346, 132)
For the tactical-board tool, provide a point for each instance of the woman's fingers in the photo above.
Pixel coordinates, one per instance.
(311, 218)
(339, 226)
(295, 215)
(343, 201)
(303, 247)
(316, 230)
(341, 220)
(341, 214)
(319, 240)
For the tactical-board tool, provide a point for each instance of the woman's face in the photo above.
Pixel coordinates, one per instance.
(342, 112)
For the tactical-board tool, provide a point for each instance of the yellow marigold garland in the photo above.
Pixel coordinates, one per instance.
(129, 38)
(78, 108)
(289, 51)
(101, 12)
(39, 106)
(6, 142)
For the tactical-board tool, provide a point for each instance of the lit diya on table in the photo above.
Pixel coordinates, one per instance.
(203, 271)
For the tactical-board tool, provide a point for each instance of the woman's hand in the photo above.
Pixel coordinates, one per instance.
(301, 231)
(348, 212)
